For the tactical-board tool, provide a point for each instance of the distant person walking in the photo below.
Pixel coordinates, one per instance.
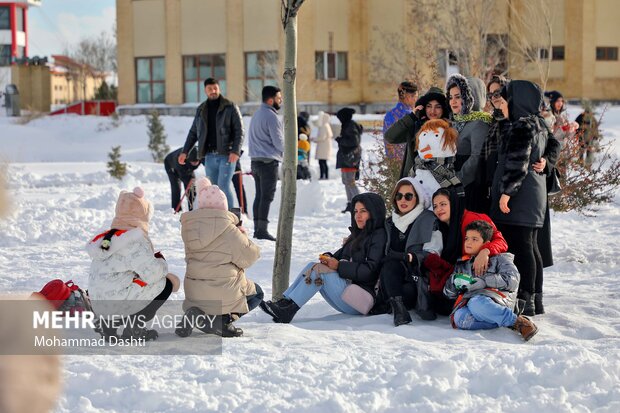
(218, 129)
(349, 153)
(324, 142)
(266, 144)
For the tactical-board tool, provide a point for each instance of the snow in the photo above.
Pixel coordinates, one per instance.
(324, 361)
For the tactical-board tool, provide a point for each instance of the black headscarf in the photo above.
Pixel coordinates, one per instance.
(451, 233)
(376, 207)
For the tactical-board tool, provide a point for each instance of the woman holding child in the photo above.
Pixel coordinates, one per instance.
(412, 234)
(453, 219)
(347, 277)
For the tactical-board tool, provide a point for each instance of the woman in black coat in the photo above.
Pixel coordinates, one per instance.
(354, 266)
(519, 193)
(412, 234)
(349, 153)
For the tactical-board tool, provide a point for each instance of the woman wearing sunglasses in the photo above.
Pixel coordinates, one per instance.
(412, 234)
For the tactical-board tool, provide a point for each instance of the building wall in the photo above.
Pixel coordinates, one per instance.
(362, 28)
(33, 85)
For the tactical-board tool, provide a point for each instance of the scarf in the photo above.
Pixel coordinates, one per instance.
(442, 170)
(402, 222)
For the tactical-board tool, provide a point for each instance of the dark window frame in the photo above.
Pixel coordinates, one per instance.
(151, 82)
(198, 79)
(326, 65)
(607, 53)
(263, 59)
(7, 25)
(558, 53)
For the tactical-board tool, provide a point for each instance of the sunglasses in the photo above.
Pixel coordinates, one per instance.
(408, 196)
(494, 95)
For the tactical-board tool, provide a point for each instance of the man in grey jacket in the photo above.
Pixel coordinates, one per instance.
(266, 144)
(218, 128)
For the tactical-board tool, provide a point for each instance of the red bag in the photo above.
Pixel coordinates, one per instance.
(439, 271)
(66, 296)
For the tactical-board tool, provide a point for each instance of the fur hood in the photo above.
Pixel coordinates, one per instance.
(467, 95)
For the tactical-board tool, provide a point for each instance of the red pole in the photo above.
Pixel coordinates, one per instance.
(189, 186)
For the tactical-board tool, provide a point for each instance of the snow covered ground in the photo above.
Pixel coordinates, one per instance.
(324, 361)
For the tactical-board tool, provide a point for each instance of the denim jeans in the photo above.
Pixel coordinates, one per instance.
(350, 187)
(255, 299)
(220, 172)
(331, 290)
(482, 313)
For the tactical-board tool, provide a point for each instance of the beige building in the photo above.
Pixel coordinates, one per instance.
(72, 82)
(354, 51)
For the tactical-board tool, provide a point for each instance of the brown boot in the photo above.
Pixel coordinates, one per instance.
(525, 327)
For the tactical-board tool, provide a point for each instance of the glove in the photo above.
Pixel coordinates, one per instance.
(158, 254)
(478, 284)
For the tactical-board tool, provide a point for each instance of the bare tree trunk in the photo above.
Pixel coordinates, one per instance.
(284, 239)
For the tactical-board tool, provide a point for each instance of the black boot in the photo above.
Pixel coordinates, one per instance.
(529, 308)
(282, 311)
(185, 327)
(220, 325)
(538, 304)
(347, 209)
(401, 315)
(260, 231)
(137, 333)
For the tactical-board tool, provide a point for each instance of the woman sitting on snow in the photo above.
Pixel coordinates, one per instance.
(346, 278)
(125, 267)
(217, 252)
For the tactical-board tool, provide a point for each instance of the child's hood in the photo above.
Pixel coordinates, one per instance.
(119, 241)
(210, 223)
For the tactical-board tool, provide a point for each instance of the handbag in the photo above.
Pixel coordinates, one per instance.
(554, 186)
(358, 298)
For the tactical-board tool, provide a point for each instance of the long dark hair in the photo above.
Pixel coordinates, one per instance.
(358, 236)
(451, 233)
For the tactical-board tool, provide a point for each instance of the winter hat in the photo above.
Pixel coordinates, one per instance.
(211, 196)
(434, 93)
(478, 91)
(132, 211)
(424, 197)
(553, 96)
(345, 115)
(303, 137)
(458, 80)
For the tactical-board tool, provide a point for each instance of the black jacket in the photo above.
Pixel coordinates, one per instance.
(523, 145)
(172, 164)
(362, 259)
(229, 129)
(349, 150)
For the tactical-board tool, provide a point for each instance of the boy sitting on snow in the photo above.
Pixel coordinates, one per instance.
(485, 302)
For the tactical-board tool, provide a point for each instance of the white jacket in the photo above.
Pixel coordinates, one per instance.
(324, 139)
(113, 271)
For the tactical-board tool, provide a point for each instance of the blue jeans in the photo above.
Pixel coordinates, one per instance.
(482, 313)
(331, 290)
(220, 172)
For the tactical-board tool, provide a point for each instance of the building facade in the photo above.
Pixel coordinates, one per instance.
(349, 51)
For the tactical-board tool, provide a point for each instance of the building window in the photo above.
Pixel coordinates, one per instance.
(5, 55)
(447, 63)
(261, 69)
(557, 53)
(150, 80)
(5, 18)
(606, 53)
(196, 69)
(330, 65)
(543, 53)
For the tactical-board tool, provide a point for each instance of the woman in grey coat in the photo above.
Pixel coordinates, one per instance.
(519, 192)
(466, 98)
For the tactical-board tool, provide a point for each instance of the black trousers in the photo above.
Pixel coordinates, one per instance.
(396, 281)
(324, 169)
(265, 179)
(523, 243)
(175, 187)
(237, 181)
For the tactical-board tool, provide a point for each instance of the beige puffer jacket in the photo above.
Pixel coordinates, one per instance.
(217, 254)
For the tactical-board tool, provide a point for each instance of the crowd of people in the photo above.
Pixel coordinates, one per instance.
(467, 236)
